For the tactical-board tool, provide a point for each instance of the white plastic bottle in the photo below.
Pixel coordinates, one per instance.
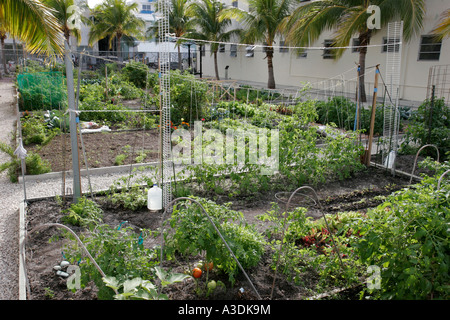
(154, 198)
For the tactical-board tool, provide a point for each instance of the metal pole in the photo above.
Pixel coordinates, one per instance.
(72, 124)
(430, 120)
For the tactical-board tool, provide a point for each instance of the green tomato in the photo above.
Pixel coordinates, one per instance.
(212, 285)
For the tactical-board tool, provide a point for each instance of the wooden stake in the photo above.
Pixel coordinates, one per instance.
(372, 119)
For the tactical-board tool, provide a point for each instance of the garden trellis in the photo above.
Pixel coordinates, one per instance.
(391, 111)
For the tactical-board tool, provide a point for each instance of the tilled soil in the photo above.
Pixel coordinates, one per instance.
(101, 149)
(357, 194)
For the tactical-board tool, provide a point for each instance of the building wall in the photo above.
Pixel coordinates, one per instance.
(291, 70)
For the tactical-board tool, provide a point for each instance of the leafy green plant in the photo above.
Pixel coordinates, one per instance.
(139, 289)
(119, 252)
(194, 234)
(407, 238)
(34, 164)
(132, 197)
(430, 126)
(188, 96)
(36, 131)
(119, 159)
(85, 212)
(136, 72)
(342, 112)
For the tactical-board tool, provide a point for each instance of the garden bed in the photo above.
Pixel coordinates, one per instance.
(364, 190)
(103, 149)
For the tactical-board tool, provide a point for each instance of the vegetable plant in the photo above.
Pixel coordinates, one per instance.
(193, 234)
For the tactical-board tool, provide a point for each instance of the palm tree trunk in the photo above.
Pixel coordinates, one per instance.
(271, 80)
(119, 52)
(180, 66)
(364, 40)
(119, 48)
(216, 66)
(4, 55)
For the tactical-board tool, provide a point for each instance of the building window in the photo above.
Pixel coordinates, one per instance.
(221, 47)
(327, 53)
(302, 53)
(234, 3)
(390, 46)
(249, 51)
(146, 7)
(283, 47)
(233, 50)
(430, 48)
(355, 43)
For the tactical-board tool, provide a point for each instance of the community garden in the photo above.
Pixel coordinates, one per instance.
(321, 225)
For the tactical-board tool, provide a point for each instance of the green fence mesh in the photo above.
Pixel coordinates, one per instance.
(41, 91)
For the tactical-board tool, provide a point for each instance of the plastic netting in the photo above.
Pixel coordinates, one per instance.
(41, 90)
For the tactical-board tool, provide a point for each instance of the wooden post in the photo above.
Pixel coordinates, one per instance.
(372, 119)
(106, 82)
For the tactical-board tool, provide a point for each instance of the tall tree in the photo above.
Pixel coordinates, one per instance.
(115, 19)
(61, 14)
(181, 22)
(210, 27)
(349, 18)
(263, 23)
(34, 24)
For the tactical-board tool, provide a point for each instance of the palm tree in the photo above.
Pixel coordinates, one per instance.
(60, 12)
(33, 23)
(263, 23)
(180, 23)
(442, 30)
(115, 19)
(210, 27)
(349, 17)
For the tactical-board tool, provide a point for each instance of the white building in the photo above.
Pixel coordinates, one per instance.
(293, 70)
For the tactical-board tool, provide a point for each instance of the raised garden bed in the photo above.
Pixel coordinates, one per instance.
(365, 190)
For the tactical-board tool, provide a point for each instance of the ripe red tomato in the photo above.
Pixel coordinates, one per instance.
(208, 266)
(197, 273)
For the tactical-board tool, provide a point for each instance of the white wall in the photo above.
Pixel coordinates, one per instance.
(290, 70)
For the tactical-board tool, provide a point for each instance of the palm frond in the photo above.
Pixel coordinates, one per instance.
(443, 28)
(33, 23)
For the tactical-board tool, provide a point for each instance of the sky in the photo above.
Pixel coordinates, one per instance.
(93, 3)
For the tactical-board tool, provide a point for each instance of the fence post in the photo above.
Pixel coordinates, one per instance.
(72, 124)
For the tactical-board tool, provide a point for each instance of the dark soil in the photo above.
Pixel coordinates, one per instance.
(101, 149)
(405, 163)
(42, 255)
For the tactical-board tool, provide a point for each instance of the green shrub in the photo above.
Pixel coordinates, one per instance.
(342, 112)
(136, 72)
(34, 164)
(420, 133)
(36, 131)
